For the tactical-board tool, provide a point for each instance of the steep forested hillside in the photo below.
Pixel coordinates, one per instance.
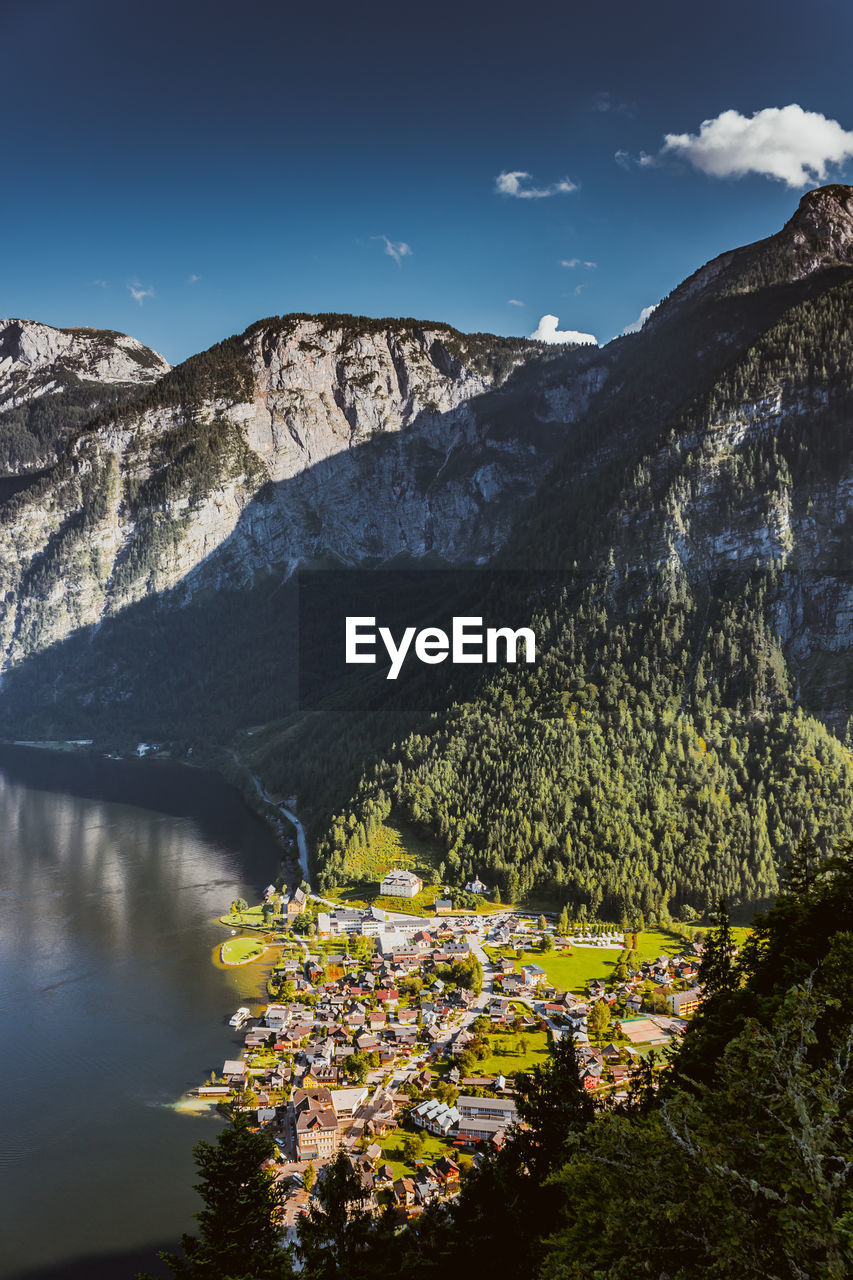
(642, 765)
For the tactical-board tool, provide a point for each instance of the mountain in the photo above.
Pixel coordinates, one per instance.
(303, 438)
(671, 512)
(51, 380)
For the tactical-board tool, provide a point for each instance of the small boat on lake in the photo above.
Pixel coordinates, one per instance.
(240, 1017)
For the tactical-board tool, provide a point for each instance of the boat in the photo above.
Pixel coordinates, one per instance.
(240, 1017)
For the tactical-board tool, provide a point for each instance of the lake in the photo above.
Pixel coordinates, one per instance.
(111, 1005)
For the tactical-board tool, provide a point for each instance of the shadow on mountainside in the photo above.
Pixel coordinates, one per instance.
(210, 659)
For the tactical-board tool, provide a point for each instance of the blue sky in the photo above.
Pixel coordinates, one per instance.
(180, 170)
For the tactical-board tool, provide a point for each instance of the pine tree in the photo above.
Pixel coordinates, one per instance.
(239, 1227)
(716, 972)
(335, 1233)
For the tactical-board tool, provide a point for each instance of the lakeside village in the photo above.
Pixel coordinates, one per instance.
(397, 1036)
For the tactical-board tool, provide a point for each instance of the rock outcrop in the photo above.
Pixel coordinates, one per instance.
(35, 359)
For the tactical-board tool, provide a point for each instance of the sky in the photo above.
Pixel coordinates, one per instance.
(178, 171)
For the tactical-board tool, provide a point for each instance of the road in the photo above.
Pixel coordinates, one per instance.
(301, 838)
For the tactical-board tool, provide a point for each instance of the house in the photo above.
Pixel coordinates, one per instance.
(427, 1187)
(347, 1101)
(314, 1123)
(399, 883)
(404, 1037)
(448, 1173)
(460, 1042)
(404, 1192)
(443, 906)
(234, 1072)
(322, 1073)
(533, 974)
(476, 886)
(435, 1116)
(297, 903)
(366, 1042)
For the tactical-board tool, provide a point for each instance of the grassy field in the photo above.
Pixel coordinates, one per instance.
(506, 1064)
(392, 1152)
(241, 950)
(252, 918)
(739, 932)
(571, 971)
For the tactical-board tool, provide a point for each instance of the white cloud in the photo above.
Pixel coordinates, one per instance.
(139, 294)
(102, 284)
(577, 262)
(513, 183)
(547, 331)
(641, 319)
(514, 302)
(787, 143)
(396, 249)
(193, 279)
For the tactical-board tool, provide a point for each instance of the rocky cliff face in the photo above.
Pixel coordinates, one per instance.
(35, 359)
(53, 379)
(316, 438)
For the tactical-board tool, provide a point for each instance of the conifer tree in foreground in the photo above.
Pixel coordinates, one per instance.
(239, 1226)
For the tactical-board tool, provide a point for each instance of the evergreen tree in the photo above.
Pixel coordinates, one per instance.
(239, 1235)
(333, 1237)
(716, 972)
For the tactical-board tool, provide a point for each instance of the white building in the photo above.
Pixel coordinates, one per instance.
(436, 1116)
(533, 974)
(476, 886)
(399, 883)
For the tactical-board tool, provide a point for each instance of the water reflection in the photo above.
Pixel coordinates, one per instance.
(112, 876)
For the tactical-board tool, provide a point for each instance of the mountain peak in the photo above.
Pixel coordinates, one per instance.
(29, 348)
(824, 220)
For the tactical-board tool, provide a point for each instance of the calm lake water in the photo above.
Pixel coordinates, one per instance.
(111, 876)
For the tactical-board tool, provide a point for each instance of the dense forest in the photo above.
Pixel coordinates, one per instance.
(640, 766)
(737, 1160)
